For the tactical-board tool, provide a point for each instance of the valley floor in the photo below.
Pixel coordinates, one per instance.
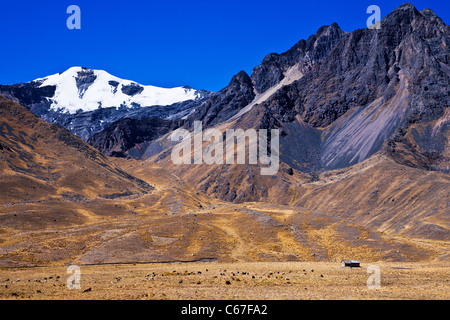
(230, 281)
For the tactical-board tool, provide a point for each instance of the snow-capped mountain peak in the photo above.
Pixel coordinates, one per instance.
(82, 89)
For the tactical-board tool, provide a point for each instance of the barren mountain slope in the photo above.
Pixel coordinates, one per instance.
(40, 161)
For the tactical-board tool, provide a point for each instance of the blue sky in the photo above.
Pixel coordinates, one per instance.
(168, 43)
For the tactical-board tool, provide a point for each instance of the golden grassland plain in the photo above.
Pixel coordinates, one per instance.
(231, 281)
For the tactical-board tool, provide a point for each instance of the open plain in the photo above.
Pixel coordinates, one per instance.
(230, 281)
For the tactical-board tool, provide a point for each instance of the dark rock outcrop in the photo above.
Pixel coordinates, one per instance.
(305, 53)
(227, 102)
(119, 137)
(28, 93)
(84, 80)
(132, 89)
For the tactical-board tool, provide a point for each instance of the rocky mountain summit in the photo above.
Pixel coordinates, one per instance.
(374, 85)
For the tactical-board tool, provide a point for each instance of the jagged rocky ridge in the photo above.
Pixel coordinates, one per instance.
(357, 93)
(374, 86)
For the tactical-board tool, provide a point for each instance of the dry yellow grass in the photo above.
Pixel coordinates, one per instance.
(274, 280)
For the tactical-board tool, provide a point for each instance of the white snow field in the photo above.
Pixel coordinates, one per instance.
(100, 93)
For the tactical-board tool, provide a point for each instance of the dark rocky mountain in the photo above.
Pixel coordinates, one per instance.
(144, 126)
(340, 97)
(118, 138)
(242, 90)
(374, 86)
